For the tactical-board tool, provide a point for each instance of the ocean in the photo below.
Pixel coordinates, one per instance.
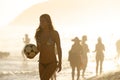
(18, 69)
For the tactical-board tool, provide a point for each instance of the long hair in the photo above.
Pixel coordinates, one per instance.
(49, 24)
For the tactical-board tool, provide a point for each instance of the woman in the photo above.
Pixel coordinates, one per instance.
(75, 57)
(46, 38)
(84, 55)
(99, 49)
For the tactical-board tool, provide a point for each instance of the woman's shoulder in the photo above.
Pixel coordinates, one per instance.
(55, 32)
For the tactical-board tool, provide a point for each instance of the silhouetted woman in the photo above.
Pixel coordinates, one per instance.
(99, 49)
(75, 57)
(84, 57)
(46, 38)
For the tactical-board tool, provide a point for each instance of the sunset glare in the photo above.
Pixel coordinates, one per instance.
(71, 18)
(12, 8)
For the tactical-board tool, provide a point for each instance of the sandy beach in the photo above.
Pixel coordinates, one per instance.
(112, 75)
(19, 70)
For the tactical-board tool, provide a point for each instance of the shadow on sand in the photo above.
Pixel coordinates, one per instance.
(113, 75)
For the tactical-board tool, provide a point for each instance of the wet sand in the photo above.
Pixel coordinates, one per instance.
(111, 75)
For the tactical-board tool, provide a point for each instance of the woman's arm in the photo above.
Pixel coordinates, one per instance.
(58, 45)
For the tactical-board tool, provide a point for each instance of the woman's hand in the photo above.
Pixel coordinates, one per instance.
(59, 67)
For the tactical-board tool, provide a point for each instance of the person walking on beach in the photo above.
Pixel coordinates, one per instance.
(46, 38)
(118, 49)
(99, 49)
(75, 57)
(26, 41)
(84, 57)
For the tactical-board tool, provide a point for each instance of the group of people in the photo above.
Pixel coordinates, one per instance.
(78, 56)
(48, 42)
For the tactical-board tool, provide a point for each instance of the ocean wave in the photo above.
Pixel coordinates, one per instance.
(3, 73)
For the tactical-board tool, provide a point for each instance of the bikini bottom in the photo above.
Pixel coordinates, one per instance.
(47, 70)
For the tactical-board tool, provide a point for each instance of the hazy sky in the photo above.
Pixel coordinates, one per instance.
(71, 18)
(12, 8)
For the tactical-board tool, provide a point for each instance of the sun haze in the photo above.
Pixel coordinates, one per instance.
(12, 8)
(70, 17)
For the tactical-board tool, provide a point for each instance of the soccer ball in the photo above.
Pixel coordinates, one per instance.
(30, 50)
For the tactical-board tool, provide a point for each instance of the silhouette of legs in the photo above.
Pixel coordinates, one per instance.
(53, 77)
(78, 73)
(84, 69)
(23, 55)
(101, 62)
(84, 64)
(47, 70)
(97, 63)
(73, 72)
(83, 72)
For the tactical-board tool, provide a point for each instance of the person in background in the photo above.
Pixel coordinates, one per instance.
(118, 49)
(75, 57)
(84, 57)
(99, 49)
(26, 41)
(46, 37)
